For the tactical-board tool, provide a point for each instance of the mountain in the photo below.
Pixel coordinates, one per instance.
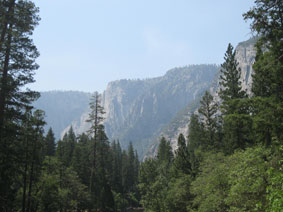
(61, 108)
(245, 55)
(137, 110)
(141, 111)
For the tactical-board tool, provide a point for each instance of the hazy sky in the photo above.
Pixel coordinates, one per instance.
(86, 44)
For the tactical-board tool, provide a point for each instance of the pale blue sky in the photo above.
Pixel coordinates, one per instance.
(86, 44)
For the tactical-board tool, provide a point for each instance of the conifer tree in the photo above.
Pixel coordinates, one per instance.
(33, 157)
(17, 60)
(182, 157)
(130, 168)
(237, 124)
(195, 142)
(230, 80)
(17, 65)
(266, 22)
(95, 119)
(81, 161)
(164, 154)
(116, 167)
(208, 110)
(50, 143)
(66, 147)
(104, 197)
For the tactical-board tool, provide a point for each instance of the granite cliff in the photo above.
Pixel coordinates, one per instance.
(245, 55)
(137, 110)
(141, 111)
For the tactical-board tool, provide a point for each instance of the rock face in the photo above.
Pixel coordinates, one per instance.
(245, 55)
(141, 111)
(138, 110)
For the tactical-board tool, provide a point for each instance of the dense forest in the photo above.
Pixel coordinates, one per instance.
(231, 160)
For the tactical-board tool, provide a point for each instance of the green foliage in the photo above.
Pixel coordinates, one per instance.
(181, 160)
(48, 196)
(178, 196)
(50, 145)
(237, 132)
(196, 142)
(247, 179)
(81, 161)
(211, 185)
(236, 158)
(66, 148)
(164, 154)
(230, 78)
(275, 188)
(232, 183)
(208, 110)
(266, 19)
(61, 188)
(147, 177)
(17, 66)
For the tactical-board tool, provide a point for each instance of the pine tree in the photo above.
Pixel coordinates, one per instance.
(130, 178)
(116, 167)
(196, 142)
(164, 153)
(230, 80)
(104, 197)
(95, 119)
(267, 85)
(17, 64)
(81, 161)
(18, 55)
(208, 110)
(66, 147)
(50, 143)
(182, 158)
(33, 157)
(237, 124)
(267, 23)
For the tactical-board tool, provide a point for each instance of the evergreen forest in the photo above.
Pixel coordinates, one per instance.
(231, 159)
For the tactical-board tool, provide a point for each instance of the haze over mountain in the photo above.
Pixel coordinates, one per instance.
(141, 111)
(61, 108)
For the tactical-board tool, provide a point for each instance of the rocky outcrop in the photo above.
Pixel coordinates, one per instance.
(245, 55)
(137, 110)
(141, 111)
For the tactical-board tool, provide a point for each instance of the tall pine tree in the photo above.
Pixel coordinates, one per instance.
(208, 109)
(17, 65)
(266, 22)
(230, 84)
(237, 121)
(50, 145)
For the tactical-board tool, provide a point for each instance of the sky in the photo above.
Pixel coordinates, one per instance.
(86, 44)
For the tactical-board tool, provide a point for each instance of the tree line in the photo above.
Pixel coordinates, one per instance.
(77, 173)
(231, 160)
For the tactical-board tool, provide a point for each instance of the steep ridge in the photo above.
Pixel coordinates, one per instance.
(141, 111)
(137, 110)
(245, 55)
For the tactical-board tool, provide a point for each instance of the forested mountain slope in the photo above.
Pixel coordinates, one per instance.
(137, 110)
(245, 55)
(142, 111)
